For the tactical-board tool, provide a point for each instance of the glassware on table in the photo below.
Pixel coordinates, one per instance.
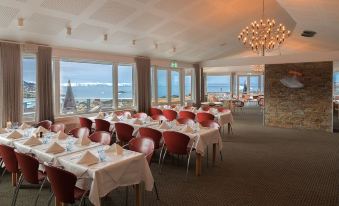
(101, 153)
(69, 145)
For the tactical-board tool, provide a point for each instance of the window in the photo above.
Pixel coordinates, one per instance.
(175, 86)
(188, 84)
(85, 87)
(218, 84)
(29, 87)
(162, 86)
(125, 86)
(242, 85)
(254, 85)
(336, 83)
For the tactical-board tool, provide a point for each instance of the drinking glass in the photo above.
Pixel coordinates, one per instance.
(101, 153)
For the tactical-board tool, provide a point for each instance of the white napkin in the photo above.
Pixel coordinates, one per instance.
(61, 135)
(213, 110)
(32, 141)
(194, 110)
(138, 121)
(164, 125)
(83, 141)
(101, 115)
(3, 130)
(187, 129)
(88, 158)
(55, 148)
(40, 129)
(128, 116)
(115, 149)
(24, 126)
(148, 119)
(115, 118)
(15, 135)
(175, 122)
(8, 124)
(200, 109)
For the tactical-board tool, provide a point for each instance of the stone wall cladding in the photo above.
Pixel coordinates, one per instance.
(306, 108)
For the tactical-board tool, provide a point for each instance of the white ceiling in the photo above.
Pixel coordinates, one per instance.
(198, 29)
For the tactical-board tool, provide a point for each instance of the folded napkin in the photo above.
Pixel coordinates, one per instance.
(200, 109)
(148, 119)
(115, 149)
(32, 141)
(101, 115)
(187, 129)
(61, 135)
(3, 130)
(164, 125)
(175, 122)
(55, 148)
(88, 158)
(24, 126)
(114, 118)
(40, 129)
(128, 116)
(138, 121)
(193, 109)
(83, 141)
(8, 124)
(15, 135)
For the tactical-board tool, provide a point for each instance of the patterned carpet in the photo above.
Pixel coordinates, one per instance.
(261, 166)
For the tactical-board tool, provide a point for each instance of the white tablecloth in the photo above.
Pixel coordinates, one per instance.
(9, 141)
(117, 170)
(224, 118)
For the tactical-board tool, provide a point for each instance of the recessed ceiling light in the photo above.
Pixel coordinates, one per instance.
(308, 33)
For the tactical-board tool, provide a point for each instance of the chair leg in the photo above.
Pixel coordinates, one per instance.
(156, 191)
(50, 199)
(37, 197)
(126, 199)
(163, 159)
(220, 156)
(188, 162)
(162, 148)
(16, 192)
(207, 155)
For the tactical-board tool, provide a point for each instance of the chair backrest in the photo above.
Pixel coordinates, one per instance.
(62, 183)
(222, 109)
(186, 121)
(45, 124)
(119, 112)
(85, 122)
(102, 125)
(154, 111)
(124, 131)
(79, 132)
(203, 116)
(101, 137)
(29, 167)
(154, 134)
(205, 108)
(187, 114)
(176, 142)
(170, 114)
(210, 124)
(188, 107)
(159, 117)
(140, 115)
(8, 156)
(58, 127)
(143, 145)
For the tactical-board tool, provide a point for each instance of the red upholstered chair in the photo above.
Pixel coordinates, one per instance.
(203, 116)
(154, 111)
(101, 137)
(144, 145)
(154, 134)
(159, 117)
(58, 127)
(170, 114)
(173, 106)
(9, 159)
(63, 185)
(45, 124)
(176, 143)
(85, 122)
(186, 121)
(188, 107)
(29, 167)
(205, 108)
(79, 132)
(222, 109)
(124, 132)
(187, 114)
(140, 115)
(102, 125)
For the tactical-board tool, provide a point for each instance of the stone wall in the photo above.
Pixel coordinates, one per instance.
(309, 107)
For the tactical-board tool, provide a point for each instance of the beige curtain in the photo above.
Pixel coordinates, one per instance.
(143, 65)
(10, 83)
(45, 107)
(198, 85)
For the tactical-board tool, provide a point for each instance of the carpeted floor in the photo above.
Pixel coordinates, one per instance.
(261, 166)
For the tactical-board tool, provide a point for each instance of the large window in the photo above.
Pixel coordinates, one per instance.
(162, 86)
(125, 86)
(85, 87)
(29, 86)
(254, 85)
(218, 84)
(188, 84)
(336, 83)
(175, 86)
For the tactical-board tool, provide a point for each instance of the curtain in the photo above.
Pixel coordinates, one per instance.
(10, 83)
(197, 75)
(45, 107)
(143, 65)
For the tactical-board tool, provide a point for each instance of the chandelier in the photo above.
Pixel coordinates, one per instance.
(263, 35)
(258, 69)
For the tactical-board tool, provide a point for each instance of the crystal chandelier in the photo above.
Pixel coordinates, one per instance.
(259, 69)
(263, 35)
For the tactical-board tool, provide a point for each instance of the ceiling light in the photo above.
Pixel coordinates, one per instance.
(69, 31)
(264, 35)
(105, 37)
(258, 69)
(20, 22)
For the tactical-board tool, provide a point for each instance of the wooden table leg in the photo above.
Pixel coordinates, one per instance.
(57, 202)
(198, 164)
(214, 152)
(14, 179)
(137, 195)
(229, 128)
